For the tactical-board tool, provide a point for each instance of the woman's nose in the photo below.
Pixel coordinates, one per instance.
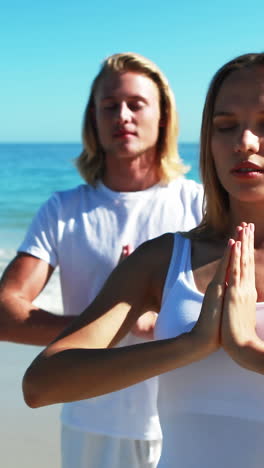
(248, 142)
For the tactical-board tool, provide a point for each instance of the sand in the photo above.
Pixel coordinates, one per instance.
(29, 438)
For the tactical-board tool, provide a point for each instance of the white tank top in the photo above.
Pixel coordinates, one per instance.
(215, 385)
(212, 411)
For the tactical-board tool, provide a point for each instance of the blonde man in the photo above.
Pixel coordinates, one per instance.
(134, 191)
(91, 162)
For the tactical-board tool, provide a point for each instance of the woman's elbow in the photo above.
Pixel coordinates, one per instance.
(32, 390)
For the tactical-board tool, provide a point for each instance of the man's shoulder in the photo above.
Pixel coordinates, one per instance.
(73, 192)
(73, 195)
(67, 201)
(186, 183)
(183, 185)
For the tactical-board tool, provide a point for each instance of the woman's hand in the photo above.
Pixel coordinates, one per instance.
(238, 331)
(207, 331)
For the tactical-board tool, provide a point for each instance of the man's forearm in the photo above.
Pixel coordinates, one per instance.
(22, 322)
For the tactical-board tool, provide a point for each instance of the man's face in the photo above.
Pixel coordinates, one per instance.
(127, 115)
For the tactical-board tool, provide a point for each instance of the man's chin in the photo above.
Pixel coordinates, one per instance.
(125, 152)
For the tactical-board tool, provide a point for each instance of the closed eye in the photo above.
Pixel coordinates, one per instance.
(135, 105)
(110, 106)
(225, 128)
(224, 123)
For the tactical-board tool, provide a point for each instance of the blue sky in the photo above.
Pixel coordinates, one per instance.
(51, 51)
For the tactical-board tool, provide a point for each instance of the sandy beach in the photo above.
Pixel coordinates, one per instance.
(29, 438)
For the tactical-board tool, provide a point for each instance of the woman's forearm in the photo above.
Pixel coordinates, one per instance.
(76, 374)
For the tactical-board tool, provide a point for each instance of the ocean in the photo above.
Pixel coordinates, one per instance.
(30, 173)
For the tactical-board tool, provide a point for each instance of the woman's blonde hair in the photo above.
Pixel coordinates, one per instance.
(90, 163)
(216, 199)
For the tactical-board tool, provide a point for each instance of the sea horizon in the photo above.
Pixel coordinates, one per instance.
(31, 172)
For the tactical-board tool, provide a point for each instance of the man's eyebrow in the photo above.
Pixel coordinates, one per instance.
(129, 98)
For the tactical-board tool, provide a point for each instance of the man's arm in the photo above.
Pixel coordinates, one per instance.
(20, 320)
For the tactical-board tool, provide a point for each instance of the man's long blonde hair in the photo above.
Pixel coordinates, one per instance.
(91, 162)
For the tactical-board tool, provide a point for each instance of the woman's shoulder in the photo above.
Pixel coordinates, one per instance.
(157, 250)
(154, 257)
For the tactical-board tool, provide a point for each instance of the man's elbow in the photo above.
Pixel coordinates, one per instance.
(10, 332)
(10, 317)
(6, 329)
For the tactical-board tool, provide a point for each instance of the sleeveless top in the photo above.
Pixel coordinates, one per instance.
(195, 400)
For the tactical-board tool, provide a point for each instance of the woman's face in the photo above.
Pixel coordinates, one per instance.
(238, 134)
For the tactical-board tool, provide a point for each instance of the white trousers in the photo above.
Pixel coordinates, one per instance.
(80, 449)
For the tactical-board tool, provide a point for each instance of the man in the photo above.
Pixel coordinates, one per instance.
(134, 191)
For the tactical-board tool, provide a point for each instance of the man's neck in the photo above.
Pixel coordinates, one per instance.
(130, 176)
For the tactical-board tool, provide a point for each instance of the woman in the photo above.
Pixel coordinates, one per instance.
(211, 403)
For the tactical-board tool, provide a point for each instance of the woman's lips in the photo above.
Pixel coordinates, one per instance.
(247, 166)
(247, 170)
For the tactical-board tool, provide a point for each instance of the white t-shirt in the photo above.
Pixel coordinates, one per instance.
(83, 231)
(211, 411)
